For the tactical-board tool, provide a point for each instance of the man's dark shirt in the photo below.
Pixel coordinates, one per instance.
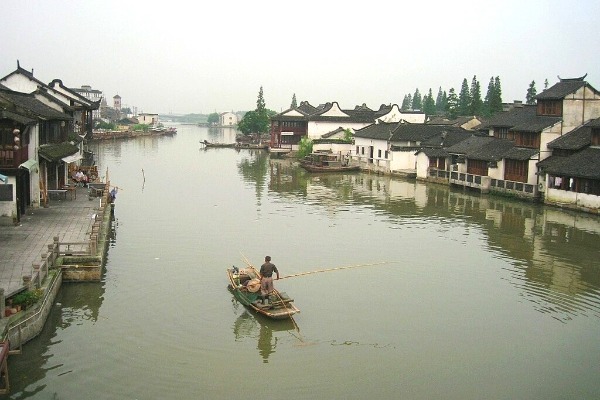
(267, 269)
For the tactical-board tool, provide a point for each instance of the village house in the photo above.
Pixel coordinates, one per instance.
(93, 95)
(27, 126)
(148, 119)
(289, 126)
(42, 130)
(511, 158)
(392, 147)
(572, 174)
(227, 119)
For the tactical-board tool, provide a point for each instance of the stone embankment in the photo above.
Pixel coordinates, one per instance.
(109, 135)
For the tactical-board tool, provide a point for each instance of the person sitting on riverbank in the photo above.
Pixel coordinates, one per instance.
(81, 178)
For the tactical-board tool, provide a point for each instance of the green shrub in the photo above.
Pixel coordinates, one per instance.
(305, 147)
(27, 298)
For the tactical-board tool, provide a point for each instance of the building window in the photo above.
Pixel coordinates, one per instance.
(386, 154)
(516, 170)
(595, 137)
(501, 133)
(379, 153)
(550, 107)
(527, 139)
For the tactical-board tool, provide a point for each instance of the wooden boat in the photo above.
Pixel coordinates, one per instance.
(245, 286)
(206, 143)
(327, 162)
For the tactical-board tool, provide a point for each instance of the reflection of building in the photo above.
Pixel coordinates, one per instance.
(550, 256)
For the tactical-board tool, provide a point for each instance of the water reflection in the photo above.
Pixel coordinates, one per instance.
(76, 304)
(554, 253)
(256, 327)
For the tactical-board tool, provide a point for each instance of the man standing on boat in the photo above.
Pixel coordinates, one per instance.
(266, 278)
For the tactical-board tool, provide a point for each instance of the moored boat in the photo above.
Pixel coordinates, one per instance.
(207, 144)
(245, 286)
(327, 162)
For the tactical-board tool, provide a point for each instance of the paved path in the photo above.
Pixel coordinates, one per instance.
(22, 246)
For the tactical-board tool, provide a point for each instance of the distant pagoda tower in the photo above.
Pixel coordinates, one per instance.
(117, 102)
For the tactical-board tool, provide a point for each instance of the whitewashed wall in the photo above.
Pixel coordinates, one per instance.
(579, 108)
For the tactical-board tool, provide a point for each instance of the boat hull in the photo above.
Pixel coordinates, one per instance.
(280, 306)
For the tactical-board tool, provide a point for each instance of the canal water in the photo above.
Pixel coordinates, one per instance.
(472, 297)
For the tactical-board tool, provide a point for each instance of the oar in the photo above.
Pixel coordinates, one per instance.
(334, 269)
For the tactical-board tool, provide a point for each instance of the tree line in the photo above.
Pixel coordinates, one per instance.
(468, 102)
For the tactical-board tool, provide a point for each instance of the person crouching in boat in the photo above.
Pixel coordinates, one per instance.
(266, 279)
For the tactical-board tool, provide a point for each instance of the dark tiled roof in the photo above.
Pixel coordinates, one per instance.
(485, 148)
(55, 152)
(583, 164)
(379, 131)
(560, 90)
(577, 139)
(306, 108)
(418, 132)
(521, 119)
(27, 104)
(520, 153)
(332, 133)
(429, 152)
(23, 119)
(447, 136)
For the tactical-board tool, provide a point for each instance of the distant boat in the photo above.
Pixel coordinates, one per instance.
(328, 162)
(209, 144)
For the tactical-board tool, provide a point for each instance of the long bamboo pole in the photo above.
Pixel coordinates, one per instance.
(333, 269)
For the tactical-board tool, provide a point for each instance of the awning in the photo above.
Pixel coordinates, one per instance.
(31, 165)
(72, 158)
(57, 151)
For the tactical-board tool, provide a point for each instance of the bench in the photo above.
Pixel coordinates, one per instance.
(72, 190)
(58, 193)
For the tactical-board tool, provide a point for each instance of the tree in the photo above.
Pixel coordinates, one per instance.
(260, 102)
(439, 105)
(464, 98)
(417, 101)
(294, 103)
(213, 119)
(476, 106)
(531, 93)
(406, 103)
(256, 121)
(452, 104)
(546, 84)
(487, 102)
(497, 103)
(429, 104)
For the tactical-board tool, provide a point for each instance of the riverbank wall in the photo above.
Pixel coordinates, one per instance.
(63, 261)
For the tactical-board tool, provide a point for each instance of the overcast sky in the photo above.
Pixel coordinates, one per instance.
(197, 57)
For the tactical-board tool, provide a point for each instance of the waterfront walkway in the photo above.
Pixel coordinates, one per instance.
(22, 246)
